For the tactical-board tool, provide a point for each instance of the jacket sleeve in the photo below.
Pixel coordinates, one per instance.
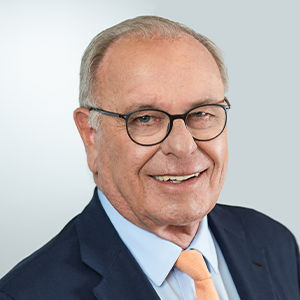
(298, 263)
(4, 296)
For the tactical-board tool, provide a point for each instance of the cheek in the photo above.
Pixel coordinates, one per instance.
(220, 152)
(121, 160)
(217, 150)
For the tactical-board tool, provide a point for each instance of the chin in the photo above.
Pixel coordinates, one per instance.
(181, 216)
(185, 220)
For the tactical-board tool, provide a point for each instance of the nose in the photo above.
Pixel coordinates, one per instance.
(179, 142)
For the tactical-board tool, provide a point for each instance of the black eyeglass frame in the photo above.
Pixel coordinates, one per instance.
(171, 117)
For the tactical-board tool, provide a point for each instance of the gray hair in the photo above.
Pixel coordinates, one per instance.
(144, 27)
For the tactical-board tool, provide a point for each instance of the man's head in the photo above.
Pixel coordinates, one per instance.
(150, 62)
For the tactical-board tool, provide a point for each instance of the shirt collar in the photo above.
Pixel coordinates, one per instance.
(147, 247)
(203, 242)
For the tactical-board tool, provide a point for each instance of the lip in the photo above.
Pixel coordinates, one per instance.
(176, 174)
(180, 173)
(186, 184)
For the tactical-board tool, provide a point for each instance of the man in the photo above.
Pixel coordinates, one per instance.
(153, 118)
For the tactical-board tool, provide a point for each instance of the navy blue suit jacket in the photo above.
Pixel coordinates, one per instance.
(88, 260)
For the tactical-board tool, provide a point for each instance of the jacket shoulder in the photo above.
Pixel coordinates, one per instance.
(259, 227)
(252, 219)
(49, 271)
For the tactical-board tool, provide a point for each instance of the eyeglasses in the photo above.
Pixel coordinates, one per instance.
(148, 127)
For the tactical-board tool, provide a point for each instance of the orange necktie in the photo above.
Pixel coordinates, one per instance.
(192, 263)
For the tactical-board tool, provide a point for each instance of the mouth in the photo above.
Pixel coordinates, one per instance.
(176, 179)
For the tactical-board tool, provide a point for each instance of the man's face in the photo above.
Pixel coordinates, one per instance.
(174, 76)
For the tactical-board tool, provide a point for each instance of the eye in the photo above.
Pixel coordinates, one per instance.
(200, 114)
(143, 119)
(146, 118)
(149, 118)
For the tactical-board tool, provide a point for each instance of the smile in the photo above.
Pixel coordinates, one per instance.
(176, 179)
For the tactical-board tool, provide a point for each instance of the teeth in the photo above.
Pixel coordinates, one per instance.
(176, 179)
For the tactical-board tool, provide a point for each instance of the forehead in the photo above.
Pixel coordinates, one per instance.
(160, 71)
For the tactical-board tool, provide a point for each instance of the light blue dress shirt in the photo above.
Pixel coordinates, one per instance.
(157, 256)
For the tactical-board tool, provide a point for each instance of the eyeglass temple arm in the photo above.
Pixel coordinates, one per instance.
(108, 113)
(228, 104)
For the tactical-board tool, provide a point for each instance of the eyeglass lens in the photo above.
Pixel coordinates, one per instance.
(149, 127)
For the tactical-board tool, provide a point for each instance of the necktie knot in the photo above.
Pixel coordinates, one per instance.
(192, 263)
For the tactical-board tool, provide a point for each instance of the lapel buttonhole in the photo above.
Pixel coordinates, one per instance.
(257, 264)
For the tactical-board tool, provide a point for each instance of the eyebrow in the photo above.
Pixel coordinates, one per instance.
(208, 101)
(134, 107)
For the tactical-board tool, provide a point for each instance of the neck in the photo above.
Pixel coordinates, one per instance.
(179, 235)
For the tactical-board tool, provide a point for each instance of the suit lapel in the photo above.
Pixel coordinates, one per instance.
(125, 281)
(102, 250)
(246, 262)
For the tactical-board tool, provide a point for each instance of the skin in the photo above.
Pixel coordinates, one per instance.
(172, 75)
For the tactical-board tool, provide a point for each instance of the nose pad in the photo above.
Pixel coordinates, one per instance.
(179, 142)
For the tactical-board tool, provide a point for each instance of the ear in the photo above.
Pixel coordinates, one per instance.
(88, 135)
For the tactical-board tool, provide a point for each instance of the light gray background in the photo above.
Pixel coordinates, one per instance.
(44, 176)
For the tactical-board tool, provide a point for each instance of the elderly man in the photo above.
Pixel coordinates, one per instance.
(152, 118)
